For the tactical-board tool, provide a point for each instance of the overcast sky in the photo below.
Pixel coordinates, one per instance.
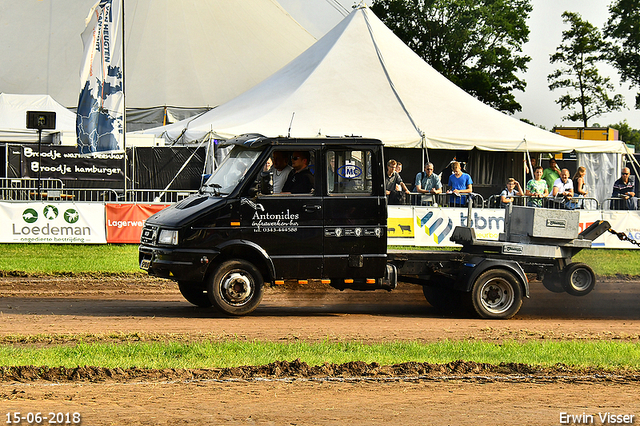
(546, 26)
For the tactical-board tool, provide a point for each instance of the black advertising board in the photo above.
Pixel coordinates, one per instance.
(65, 163)
(147, 167)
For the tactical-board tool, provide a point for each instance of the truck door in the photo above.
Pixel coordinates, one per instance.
(355, 213)
(287, 226)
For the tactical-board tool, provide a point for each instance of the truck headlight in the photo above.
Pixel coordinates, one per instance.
(168, 237)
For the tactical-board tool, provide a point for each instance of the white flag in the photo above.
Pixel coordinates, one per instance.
(100, 120)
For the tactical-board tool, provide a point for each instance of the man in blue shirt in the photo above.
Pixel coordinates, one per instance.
(460, 184)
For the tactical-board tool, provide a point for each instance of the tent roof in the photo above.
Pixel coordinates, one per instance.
(360, 79)
(13, 116)
(178, 53)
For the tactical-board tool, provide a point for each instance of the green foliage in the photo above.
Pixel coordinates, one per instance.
(474, 43)
(207, 354)
(627, 134)
(623, 30)
(587, 94)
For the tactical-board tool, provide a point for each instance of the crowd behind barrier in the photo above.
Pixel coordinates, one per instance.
(54, 190)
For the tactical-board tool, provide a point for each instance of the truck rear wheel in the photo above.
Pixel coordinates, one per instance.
(194, 295)
(579, 279)
(236, 287)
(496, 294)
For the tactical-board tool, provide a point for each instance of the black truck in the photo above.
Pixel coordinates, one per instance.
(223, 244)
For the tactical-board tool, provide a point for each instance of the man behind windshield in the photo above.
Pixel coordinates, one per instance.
(280, 170)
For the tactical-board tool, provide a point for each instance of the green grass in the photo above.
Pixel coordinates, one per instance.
(603, 261)
(69, 258)
(123, 259)
(599, 354)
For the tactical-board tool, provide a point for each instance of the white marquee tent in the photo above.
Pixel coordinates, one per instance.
(360, 79)
(13, 117)
(180, 53)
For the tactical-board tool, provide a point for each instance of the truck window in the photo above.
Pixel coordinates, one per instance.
(231, 171)
(349, 172)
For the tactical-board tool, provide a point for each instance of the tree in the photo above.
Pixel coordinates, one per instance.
(623, 28)
(581, 49)
(627, 134)
(474, 43)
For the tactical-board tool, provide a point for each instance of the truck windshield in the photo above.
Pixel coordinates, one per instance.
(231, 171)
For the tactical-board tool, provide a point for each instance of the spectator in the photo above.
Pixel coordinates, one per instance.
(551, 173)
(512, 190)
(398, 187)
(562, 191)
(534, 163)
(300, 180)
(536, 188)
(460, 184)
(392, 182)
(428, 182)
(623, 188)
(579, 186)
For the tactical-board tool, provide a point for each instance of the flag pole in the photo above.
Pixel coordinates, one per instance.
(124, 103)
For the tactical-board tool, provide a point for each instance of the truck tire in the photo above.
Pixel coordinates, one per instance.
(579, 279)
(194, 295)
(553, 283)
(445, 300)
(496, 294)
(236, 287)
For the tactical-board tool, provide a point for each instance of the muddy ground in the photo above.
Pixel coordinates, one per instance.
(44, 310)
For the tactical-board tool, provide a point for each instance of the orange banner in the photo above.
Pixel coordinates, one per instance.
(125, 221)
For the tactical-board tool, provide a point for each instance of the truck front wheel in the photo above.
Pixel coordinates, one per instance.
(193, 294)
(236, 287)
(496, 294)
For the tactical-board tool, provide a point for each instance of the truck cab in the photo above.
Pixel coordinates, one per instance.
(222, 244)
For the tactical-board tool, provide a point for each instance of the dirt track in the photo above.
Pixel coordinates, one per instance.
(460, 394)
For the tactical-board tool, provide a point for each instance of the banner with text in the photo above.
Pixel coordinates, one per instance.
(125, 221)
(52, 223)
(64, 162)
(433, 226)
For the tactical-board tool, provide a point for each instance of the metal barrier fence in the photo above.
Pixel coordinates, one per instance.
(494, 201)
(54, 190)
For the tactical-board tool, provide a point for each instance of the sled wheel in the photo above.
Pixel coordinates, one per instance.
(236, 287)
(193, 294)
(553, 283)
(496, 294)
(443, 299)
(579, 279)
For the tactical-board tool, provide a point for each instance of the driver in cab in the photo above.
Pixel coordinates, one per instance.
(300, 180)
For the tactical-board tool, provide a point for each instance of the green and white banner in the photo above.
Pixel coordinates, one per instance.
(45, 222)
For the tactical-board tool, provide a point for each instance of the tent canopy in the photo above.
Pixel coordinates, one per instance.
(178, 53)
(360, 79)
(13, 117)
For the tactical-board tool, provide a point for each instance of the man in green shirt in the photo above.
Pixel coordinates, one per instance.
(551, 173)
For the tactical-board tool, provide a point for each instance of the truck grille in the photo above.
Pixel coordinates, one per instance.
(149, 234)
